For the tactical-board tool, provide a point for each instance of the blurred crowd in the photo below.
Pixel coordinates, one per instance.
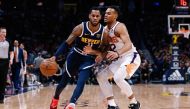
(159, 43)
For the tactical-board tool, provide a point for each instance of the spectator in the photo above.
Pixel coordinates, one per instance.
(18, 61)
(36, 63)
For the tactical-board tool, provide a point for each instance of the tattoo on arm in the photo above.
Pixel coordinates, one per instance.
(75, 33)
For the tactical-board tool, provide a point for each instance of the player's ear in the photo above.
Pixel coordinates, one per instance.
(115, 16)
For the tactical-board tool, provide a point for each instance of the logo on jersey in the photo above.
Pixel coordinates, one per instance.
(98, 35)
(176, 75)
(91, 41)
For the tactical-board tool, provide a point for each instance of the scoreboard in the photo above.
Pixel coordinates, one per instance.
(182, 6)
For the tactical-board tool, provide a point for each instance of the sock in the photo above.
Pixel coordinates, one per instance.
(133, 100)
(112, 102)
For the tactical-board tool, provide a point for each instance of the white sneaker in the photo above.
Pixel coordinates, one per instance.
(70, 106)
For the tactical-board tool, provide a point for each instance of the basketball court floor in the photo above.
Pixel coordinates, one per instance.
(151, 96)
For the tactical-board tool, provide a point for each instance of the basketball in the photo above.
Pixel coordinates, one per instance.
(48, 68)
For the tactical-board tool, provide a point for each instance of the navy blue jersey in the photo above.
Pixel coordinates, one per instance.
(87, 37)
(76, 61)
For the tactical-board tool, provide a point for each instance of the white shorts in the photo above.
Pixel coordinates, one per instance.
(124, 67)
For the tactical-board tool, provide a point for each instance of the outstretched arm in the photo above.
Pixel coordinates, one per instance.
(64, 47)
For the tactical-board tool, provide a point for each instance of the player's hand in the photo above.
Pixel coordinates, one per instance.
(52, 58)
(98, 58)
(112, 55)
(87, 50)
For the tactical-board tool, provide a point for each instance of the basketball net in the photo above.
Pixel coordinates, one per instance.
(185, 33)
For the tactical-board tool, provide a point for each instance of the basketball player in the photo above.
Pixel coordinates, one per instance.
(125, 60)
(87, 33)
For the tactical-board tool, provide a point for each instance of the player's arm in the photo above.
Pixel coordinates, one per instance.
(121, 31)
(77, 31)
(124, 35)
(105, 46)
(102, 51)
(99, 55)
(88, 49)
(64, 47)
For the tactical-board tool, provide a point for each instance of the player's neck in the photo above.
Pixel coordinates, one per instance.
(92, 27)
(111, 24)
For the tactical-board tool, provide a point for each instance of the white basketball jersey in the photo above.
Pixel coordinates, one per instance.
(117, 40)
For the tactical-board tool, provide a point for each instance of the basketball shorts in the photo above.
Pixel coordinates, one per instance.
(124, 67)
(76, 62)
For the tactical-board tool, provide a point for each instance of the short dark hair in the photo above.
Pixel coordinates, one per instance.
(95, 8)
(116, 8)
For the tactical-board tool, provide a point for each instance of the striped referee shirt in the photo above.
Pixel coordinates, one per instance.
(4, 50)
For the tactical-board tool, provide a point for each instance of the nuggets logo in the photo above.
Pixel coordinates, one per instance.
(91, 41)
(98, 35)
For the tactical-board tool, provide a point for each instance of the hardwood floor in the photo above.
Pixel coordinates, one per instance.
(151, 96)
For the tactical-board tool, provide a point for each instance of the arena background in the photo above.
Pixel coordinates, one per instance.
(33, 21)
(43, 24)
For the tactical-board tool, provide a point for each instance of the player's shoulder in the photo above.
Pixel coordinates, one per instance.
(120, 25)
(77, 30)
(106, 28)
(78, 27)
(82, 25)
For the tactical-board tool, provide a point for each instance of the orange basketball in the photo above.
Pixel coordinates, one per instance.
(48, 68)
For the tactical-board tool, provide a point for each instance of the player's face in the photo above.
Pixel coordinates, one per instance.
(95, 17)
(110, 15)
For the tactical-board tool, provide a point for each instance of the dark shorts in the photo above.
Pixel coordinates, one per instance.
(76, 62)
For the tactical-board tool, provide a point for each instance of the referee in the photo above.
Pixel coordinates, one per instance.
(4, 62)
